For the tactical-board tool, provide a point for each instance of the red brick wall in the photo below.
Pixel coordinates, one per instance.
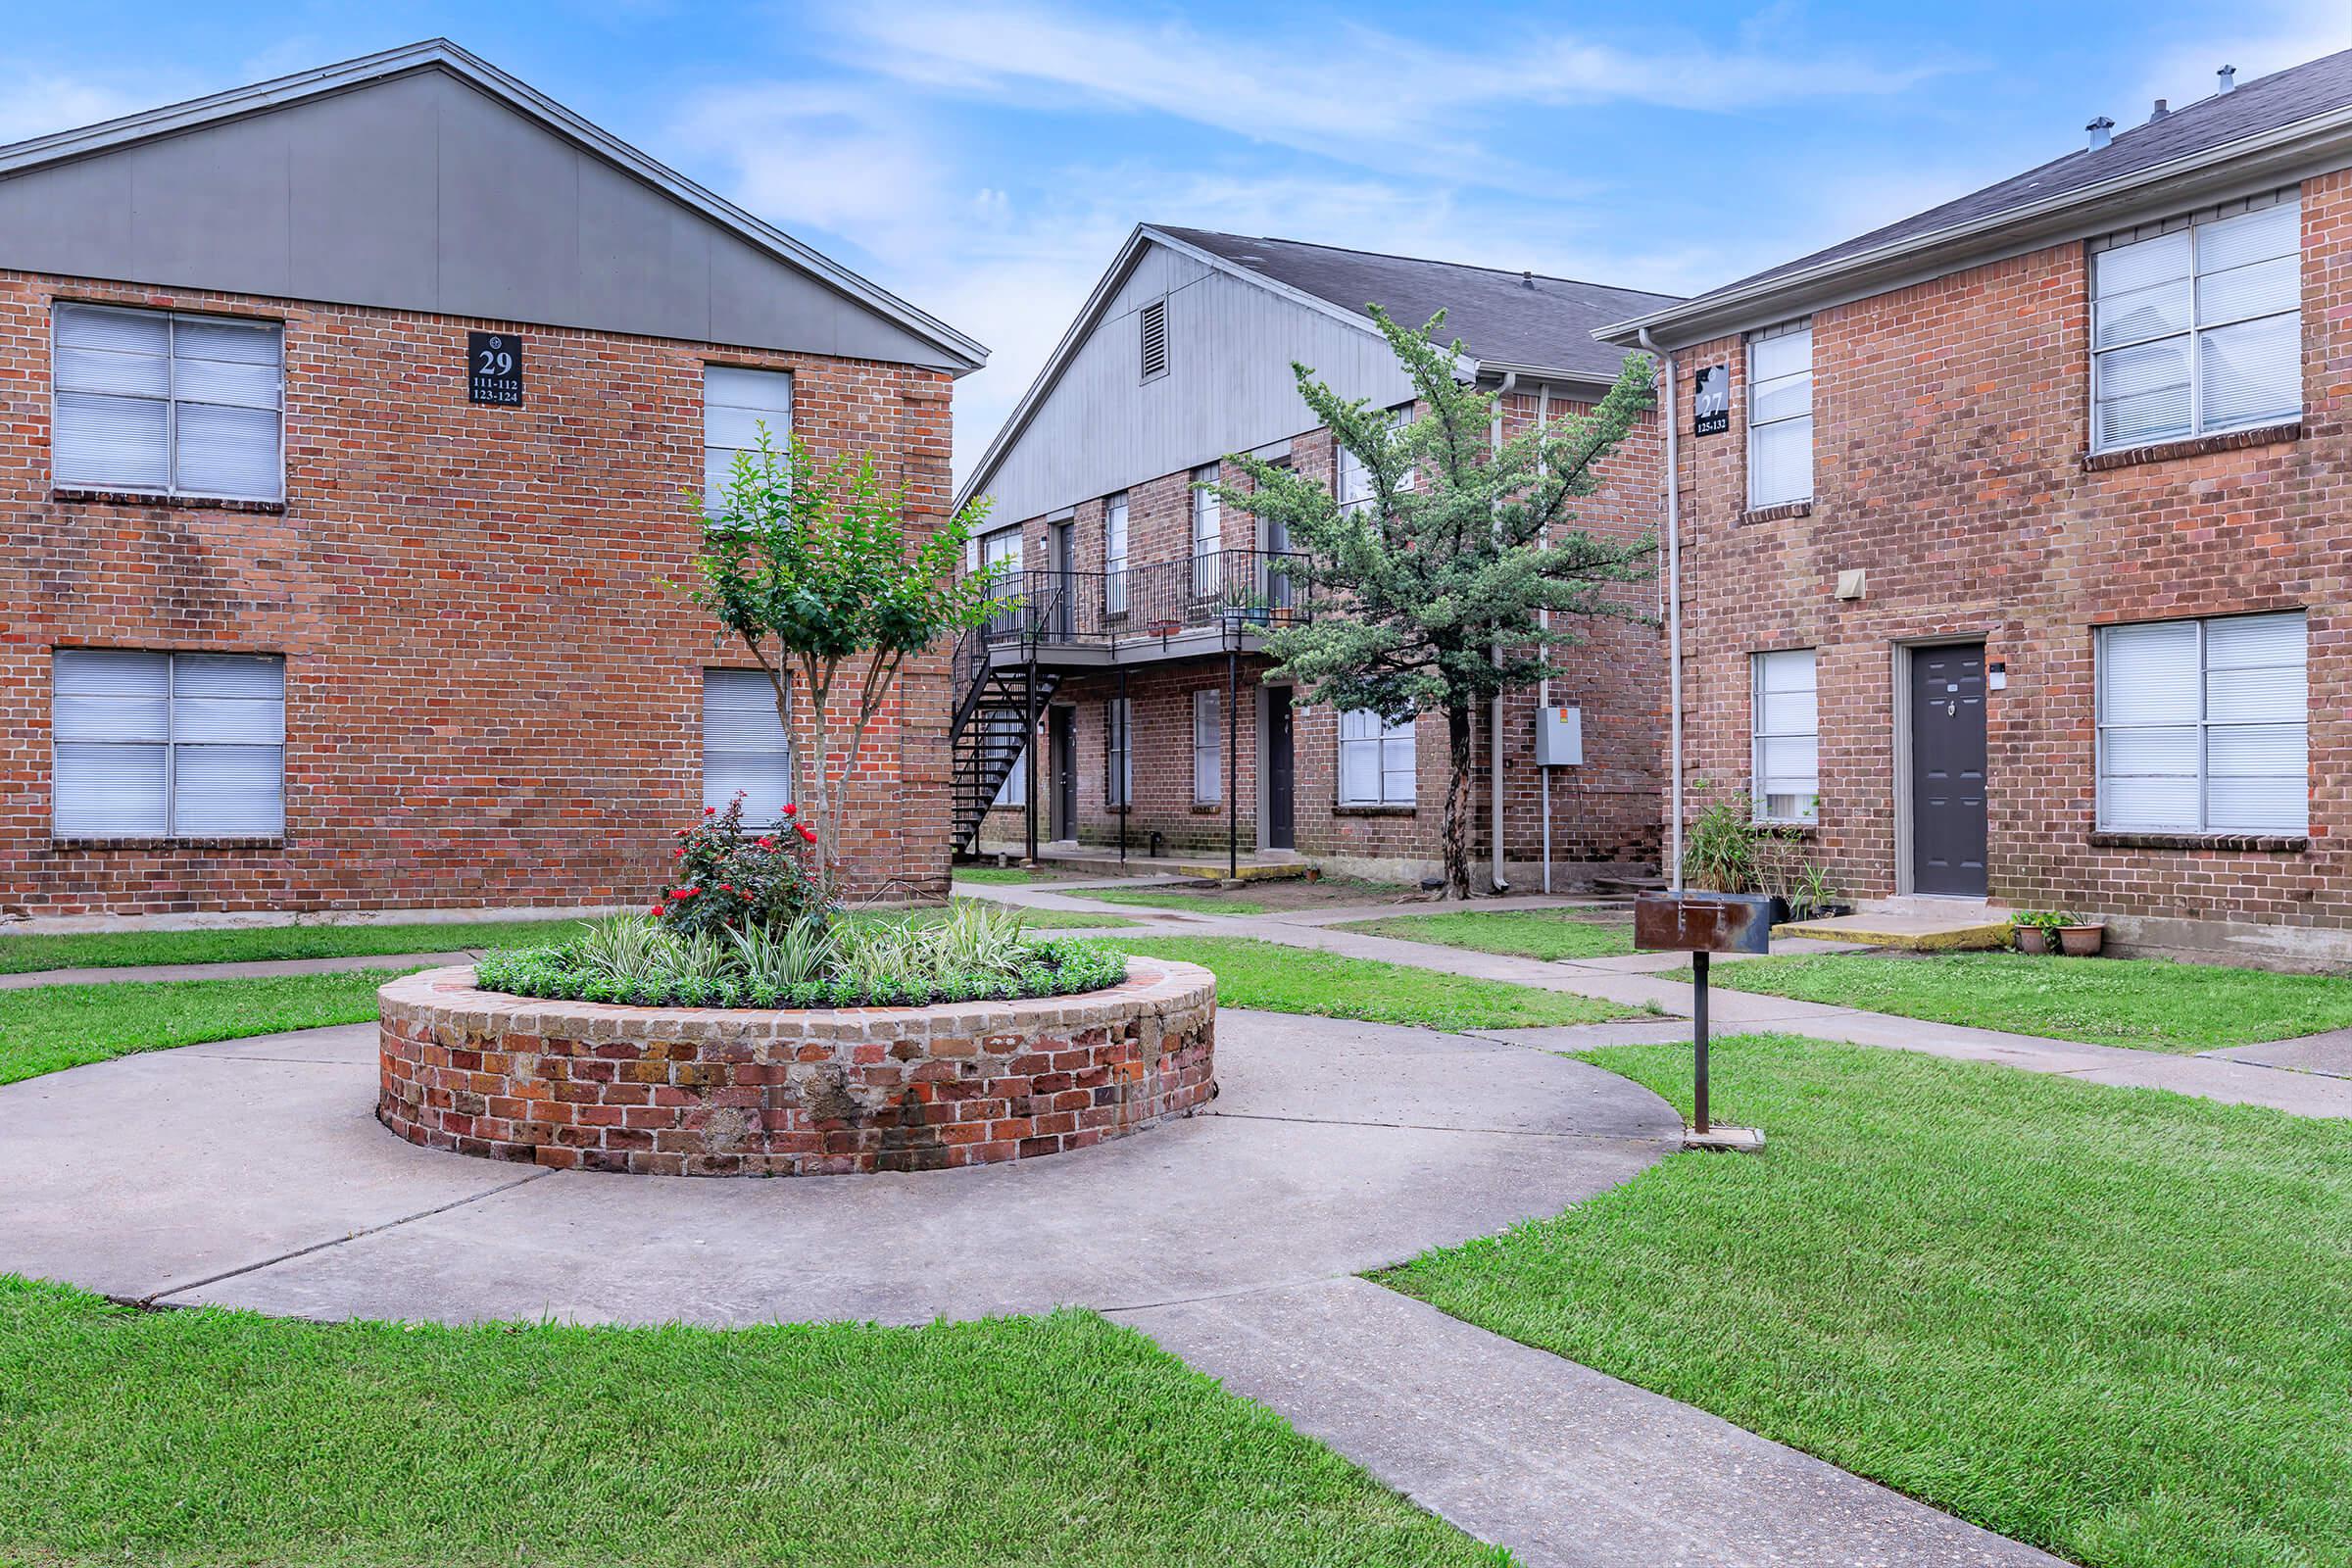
(1950, 426)
(1604, 814)
(492, 697)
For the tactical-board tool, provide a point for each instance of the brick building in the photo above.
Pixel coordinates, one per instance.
(344, 425)
(1146, 598)
(2012, 562)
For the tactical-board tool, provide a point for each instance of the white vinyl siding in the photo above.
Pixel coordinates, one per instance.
(1119, 743)
(1115, 556)
(736, 405)
(1786, 734)
(1152, 328)
(1376, 761)
(1209, 522)
(2203, 726)
(2199, 329)
(1779, 416)
(158, 403)
(743, 747)
(152, 745)
(1209, 750)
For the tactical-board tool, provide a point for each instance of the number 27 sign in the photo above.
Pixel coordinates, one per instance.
(493, 367)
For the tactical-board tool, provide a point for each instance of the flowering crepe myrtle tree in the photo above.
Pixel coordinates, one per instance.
(1435, 585)
(811, 568)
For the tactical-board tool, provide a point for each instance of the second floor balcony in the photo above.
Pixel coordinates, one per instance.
(1160, 610)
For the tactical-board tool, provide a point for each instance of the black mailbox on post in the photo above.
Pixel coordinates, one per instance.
(1701, 923)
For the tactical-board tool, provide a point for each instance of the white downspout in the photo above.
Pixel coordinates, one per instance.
(1510, 379)
(1674, 626)
(1544, 697)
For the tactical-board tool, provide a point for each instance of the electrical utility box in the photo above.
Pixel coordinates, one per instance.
(1559, 736)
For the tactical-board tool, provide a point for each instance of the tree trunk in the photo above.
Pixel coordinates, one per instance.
(1458, 789)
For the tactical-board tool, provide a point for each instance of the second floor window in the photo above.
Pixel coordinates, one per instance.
(1209, 750)
(1115, 556)
(1779, 416)
(1209, 522)
(2198, 330)
(158, 403)
(737, 404)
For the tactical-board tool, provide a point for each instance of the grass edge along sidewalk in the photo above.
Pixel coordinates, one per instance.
(2148, 1004)
(2109, 1322)
(1274, 977)
(216, 1435)
(46, 1029)
(1548, 934)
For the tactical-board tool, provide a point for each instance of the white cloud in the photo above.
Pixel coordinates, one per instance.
(1342, 90)
(829, 156)
(37, 103)
(2258, 39)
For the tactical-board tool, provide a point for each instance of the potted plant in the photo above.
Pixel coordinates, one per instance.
(1247, 607)
(2081, 938)
(2034, 930)
(1813, 897)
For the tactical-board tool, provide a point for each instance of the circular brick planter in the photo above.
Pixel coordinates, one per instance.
(713, 1092)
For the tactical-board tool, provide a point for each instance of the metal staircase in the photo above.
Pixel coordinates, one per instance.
(993, 719)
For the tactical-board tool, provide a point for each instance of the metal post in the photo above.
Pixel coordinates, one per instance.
(1029, 761)
(1126, 765)
(1699, 1038)
(1232, 760)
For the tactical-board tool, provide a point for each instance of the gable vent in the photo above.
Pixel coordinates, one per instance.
(1155, 319)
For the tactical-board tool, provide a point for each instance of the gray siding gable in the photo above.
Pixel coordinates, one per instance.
(419, 189)
(1099, 427)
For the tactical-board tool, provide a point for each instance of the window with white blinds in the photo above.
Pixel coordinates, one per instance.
(1779, 416)
(1209, 750)
(1376, 761)
(2199, 329)
(1209, 522)
(1118, 753)
(2202, 727)
(744, 745)
(159, 402)
(736, 405)
(1115, 556)
(1786, 729)
(154, 746)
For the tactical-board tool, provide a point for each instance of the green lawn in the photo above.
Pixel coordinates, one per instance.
(1282, 979)
(2148, 1002)
(48, 1028)
(1519, 933)
(209, 1437)
(1034, 919)
(2115, 1323)
(1172, 899)
(100, 950)
(1007, 875)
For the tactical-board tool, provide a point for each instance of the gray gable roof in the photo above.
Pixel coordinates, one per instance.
(1504, 319)
(2253, 115)
(425, 178)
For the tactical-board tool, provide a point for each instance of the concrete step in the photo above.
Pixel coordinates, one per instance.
(1912, 925)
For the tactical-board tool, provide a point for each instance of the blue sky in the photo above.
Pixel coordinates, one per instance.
(984, 160)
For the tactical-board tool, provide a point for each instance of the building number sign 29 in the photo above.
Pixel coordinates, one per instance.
(494, 368)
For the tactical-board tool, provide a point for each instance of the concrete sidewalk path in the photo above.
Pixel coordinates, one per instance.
(1568, 1468)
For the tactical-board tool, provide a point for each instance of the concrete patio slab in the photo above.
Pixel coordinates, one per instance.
(2330, 1054)
(1567, 1467)
(252, 1173)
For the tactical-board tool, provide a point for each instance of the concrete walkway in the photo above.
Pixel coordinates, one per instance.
(2309, 1077)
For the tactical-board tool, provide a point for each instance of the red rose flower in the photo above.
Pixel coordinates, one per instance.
(792, 810)
(709, 810)
(808, 832)
(764, 842)
(684, 893)
(658, 908)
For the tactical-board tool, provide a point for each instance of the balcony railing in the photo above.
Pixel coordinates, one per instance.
(1257, 590)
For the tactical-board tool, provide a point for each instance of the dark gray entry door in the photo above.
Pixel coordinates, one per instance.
(1061, 767)
(1281, 833)
(1947, 770)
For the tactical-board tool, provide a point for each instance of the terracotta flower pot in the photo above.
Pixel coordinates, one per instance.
(2033, 939)
(2081, 941)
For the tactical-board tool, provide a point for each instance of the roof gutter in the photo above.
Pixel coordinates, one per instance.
(1674, 619)
(2179, 181)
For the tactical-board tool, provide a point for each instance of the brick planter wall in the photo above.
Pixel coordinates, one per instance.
(712, 1092)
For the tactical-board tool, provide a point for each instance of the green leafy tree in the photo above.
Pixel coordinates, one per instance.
(1431, 591)
(811, 568)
